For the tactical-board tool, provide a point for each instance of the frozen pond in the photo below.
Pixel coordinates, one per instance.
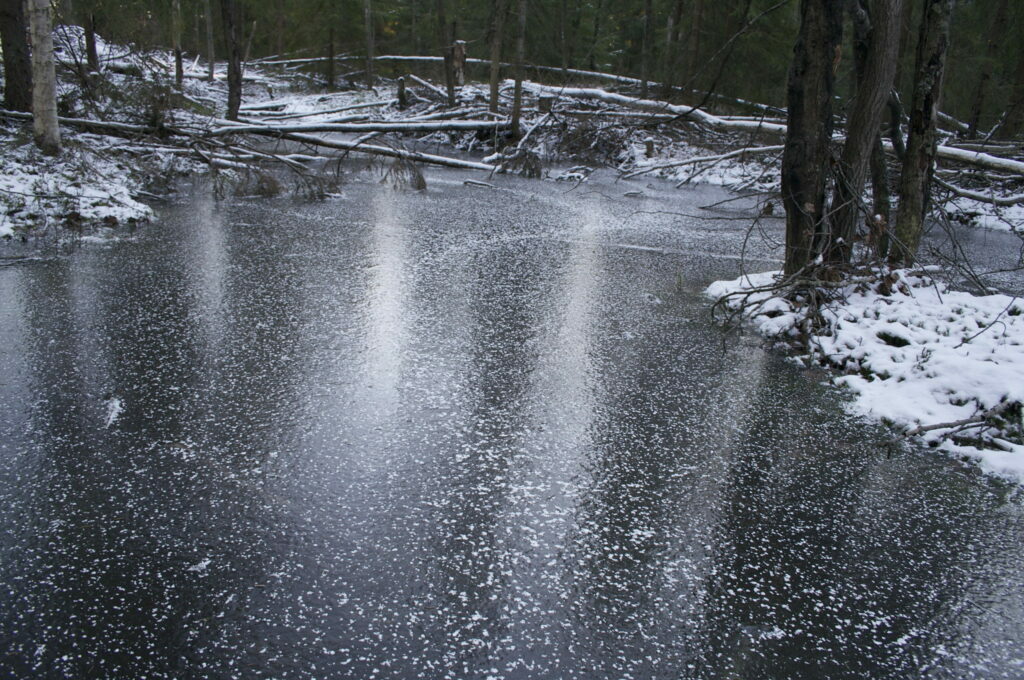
(471, 433)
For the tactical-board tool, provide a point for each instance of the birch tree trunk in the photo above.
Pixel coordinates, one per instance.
(17, 62)
(499, 9)
(876, 44)
(805, 161)
(232, 29)
(922, 140)
(44, 79)
(210, 55)
(370, 51)
(517, 101)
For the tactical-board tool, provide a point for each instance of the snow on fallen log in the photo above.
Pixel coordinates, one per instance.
(326, 112)
(97, 126)
(415, 126)
(704, 159)
(655, 106)
(949, 153)
(374, 150)
(430, 86)
(991, 199)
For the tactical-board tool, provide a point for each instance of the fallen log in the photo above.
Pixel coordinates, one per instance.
(97, 126)
(401, 127)
(949, 153)
(978, 196)
(307, 114)
(430, 86)
(686, 112)
(416, 156)
(705, 159)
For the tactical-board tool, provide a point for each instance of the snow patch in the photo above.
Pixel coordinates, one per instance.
(919, 356)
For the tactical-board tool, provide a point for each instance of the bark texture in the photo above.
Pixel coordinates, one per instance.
(995, 41)
(179, 70)
(92, 57)
(231, 20)
(44, 79)
(645, 48)
(370, 47)
(805, 161)
(211, 56)
(499, 8)
(517, 101)
(922, 140)
(876, 46)
(17, 62)
(444, 35)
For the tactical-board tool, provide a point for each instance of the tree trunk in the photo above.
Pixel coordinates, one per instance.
(231, 23)
(881, 200)
(592, 54)
(445, 37)
(805, 161)
(563, 34)
(44, 79)
(645, 48)
(370, 50)
(248, 46)
(282, 26)
(517, 101)
(459, 62)
(179, 71)
(1015, 115)
(571, 37)
(669, 58)
(498, 8)
(329, 64)
(995, 41)
(17, 62)
(876, 44)
(92, 58)
(919, 162)
(693, 49)
(210, 54)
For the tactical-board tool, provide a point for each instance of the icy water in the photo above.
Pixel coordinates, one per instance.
(471, 433)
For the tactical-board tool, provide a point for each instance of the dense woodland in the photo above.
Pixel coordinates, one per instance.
(741, 48)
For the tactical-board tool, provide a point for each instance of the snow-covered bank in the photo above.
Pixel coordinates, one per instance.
(82, 187)
(914, 353)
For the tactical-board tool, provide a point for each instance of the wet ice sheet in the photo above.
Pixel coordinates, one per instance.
(465, 434)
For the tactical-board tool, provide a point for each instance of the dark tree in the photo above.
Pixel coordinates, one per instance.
(447, 40)
(517, 96)
(805, 161)
(231, 21)
(499, 8)
(368, 27)
(876, 44)
(995, 41)
(922, 139)
(17, 62)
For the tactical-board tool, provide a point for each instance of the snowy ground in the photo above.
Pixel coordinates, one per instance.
(98, 182)
(920, 356)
